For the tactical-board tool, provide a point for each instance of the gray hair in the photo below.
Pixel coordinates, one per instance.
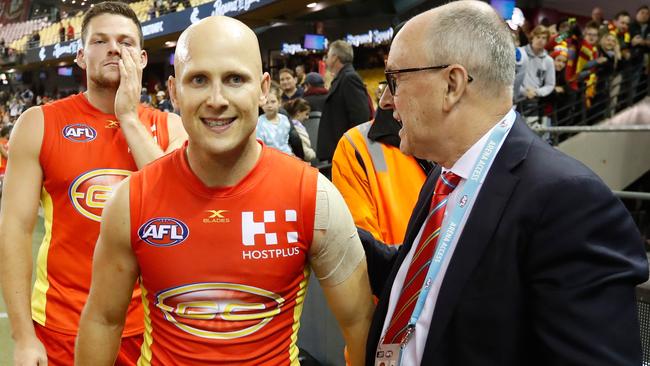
(342, 50)
(473, 35)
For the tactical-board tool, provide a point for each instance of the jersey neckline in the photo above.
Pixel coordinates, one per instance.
(85, 103)
(250, 180)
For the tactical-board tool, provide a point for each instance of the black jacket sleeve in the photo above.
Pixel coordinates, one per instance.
(380, 258)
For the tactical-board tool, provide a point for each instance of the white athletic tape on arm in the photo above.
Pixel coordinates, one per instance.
(336, 250)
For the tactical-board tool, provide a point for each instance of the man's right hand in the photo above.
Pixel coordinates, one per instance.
(30, 352)
(530, 93)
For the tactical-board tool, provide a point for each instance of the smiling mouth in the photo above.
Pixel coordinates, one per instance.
(217, 123)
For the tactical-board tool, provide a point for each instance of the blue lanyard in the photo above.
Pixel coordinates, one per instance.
(450, 229)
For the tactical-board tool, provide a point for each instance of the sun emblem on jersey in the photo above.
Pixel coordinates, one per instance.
(218, 310)
(90, 191)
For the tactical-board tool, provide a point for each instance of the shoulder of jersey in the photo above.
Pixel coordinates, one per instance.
(142, 109)
(163, 160)
(62, 102)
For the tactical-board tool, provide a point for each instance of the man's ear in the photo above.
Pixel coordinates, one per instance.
(81, 61)
(171, 86)
(457, 79)
(144, 58)
(266, 86)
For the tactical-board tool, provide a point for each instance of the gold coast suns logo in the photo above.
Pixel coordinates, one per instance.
(90, 191)
(218, 310)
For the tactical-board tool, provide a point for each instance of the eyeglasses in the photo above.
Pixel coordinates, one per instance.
(392, 81)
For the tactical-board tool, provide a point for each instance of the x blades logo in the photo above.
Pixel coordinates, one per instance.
(112, 124)
(216, 217)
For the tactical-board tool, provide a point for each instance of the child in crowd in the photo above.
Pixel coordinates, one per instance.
(608, 79)
(298, 110)
(588, 58)
(539, 76)
(273, 127)
(563, 97)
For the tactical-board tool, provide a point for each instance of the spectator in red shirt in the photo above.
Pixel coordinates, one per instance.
(70, 32)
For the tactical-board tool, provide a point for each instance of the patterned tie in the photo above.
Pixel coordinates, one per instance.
(419, 266)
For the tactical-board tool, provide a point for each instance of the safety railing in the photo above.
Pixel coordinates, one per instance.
(575, 129)
(585, 101)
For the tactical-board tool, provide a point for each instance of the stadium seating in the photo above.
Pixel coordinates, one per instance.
(13, 32)
(17, 35)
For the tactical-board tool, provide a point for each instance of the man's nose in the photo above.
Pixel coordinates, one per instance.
(386, 100)
(114, 47)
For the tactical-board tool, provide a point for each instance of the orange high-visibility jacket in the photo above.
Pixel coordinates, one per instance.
(378, 182)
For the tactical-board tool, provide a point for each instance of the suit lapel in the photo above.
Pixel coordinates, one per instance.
(479, 228)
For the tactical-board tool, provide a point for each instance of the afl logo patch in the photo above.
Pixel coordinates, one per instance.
(163, 232)
(219, 310)
(90, 191)
(79, 133)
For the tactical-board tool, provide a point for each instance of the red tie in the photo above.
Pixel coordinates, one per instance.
(419, 266)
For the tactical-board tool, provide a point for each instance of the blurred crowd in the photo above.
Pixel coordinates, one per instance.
(569, 74)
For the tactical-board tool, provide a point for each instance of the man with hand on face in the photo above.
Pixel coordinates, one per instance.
(224, 274)
(515, 254)
(70, 154)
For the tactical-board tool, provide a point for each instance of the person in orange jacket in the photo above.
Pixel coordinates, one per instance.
(378, 182)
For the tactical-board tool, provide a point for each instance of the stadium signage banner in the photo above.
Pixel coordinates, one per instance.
(161, 26)
(292, 48)
(374, 36)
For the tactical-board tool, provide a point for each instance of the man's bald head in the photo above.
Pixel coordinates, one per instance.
(219, 85)
(469, 33)
(223, 33)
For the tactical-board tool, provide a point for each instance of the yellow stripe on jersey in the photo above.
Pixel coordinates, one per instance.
(145, 350)
(39, 295)
(297, 312)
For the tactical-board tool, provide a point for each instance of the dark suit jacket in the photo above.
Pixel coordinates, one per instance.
(316, 96)
(346, 106)
(544, 272)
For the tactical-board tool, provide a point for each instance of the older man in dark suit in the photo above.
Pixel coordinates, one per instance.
(522, 256)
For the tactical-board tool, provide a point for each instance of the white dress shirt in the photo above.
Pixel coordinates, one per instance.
(412, 354)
